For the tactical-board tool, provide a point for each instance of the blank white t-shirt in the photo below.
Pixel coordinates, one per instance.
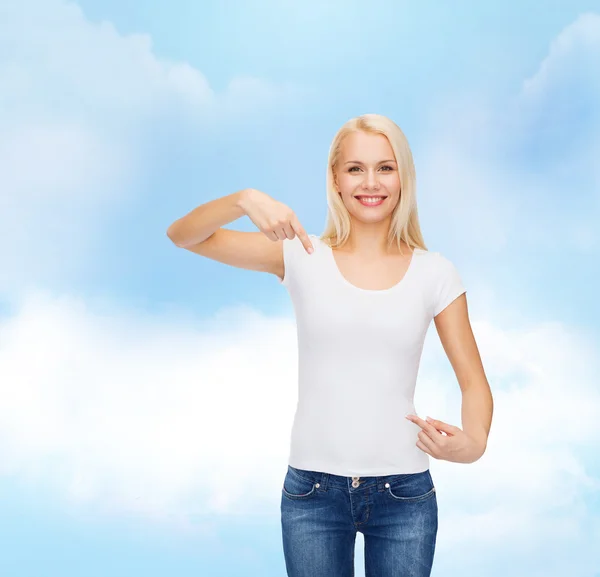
(358, 357)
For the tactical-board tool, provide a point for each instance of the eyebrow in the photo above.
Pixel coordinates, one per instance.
(359, 162)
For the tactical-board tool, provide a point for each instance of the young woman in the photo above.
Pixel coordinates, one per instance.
(364, 294)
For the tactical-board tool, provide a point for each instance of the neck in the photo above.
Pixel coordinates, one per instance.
(370, 239)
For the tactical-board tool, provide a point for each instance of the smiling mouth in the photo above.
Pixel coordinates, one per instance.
(370, 200)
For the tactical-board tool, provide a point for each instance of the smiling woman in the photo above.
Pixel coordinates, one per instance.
(364, 295)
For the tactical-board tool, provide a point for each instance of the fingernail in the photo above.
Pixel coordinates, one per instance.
(310, 250)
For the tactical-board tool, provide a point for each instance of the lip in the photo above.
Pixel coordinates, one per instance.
(362, 198)
(370, 196)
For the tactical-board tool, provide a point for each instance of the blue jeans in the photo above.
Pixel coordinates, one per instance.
(321, 514)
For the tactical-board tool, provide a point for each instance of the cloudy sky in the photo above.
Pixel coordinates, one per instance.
(147, 394)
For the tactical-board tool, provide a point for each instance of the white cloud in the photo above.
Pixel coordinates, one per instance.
(573, 55)
(559, 103)
(150, 415)
(144, 413)
(526, 170)
(77, 99)
(67, 64)
(119, 412)
(538, 472)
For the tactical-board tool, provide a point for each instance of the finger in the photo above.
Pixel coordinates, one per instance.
(289, 231)
(424, 448)
(302, 235)
(421, 422)
(441, 426)
(428, 429)
(271, 234)
(279, 233)
(432, 440)
(282, 233)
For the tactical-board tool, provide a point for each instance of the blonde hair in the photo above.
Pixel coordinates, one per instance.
(405, 221)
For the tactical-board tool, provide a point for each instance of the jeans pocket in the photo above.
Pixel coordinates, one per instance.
(410, 487)
(298, 486)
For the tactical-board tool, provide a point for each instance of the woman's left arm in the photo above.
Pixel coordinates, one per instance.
(458, 341)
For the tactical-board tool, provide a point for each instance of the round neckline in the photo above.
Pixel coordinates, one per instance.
(371, 291)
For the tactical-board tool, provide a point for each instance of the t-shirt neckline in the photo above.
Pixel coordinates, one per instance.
(395, 287)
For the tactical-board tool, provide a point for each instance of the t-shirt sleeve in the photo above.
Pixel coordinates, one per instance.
(290, 247)
(449, 285)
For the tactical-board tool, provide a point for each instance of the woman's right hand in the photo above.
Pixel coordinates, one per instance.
(273, 218)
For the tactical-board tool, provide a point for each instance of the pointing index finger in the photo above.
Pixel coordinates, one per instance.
(303, 236)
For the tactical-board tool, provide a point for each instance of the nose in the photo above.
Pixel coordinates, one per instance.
(370, 181)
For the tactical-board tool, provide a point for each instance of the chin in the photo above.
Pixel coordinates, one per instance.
(372, 218)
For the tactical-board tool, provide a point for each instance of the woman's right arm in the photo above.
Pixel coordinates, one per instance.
(200, 231)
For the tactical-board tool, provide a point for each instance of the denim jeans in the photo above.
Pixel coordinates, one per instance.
(321, 514)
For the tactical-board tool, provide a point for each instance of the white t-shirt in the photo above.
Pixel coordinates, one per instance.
(358, 357)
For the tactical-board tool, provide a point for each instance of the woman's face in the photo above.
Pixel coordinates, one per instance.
(367, 168)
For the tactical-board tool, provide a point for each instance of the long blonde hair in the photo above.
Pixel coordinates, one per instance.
(405, 220)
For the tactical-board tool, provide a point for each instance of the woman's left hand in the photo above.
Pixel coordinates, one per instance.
(456, 446)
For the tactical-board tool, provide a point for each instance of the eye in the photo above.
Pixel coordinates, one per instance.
(385, 166)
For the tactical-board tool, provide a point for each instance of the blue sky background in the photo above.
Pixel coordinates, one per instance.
(148, 394)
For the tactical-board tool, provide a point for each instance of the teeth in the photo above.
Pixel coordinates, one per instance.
(372, 199)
